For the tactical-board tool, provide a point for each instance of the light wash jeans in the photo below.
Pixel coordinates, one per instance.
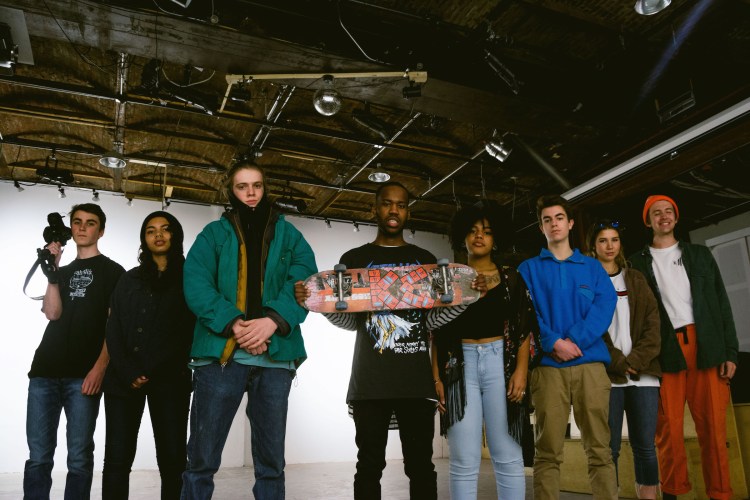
(485, 401)
(48, 397)
(217, 393)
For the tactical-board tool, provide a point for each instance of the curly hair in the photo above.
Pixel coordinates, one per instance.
(465, 218)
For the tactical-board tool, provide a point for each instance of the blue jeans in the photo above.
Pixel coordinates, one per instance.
(217, 393)
(640, 404)
(416, 428)
(485, 402)
(168, 408)
(47, 398)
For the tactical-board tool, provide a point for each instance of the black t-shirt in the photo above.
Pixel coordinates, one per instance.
(391, 352)
(72, 344)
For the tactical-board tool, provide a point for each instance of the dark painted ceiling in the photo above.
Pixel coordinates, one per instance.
(576, 87)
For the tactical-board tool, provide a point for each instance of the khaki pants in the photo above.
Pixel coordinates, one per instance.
(553, 390)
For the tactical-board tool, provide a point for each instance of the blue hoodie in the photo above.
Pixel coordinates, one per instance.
(574, 299)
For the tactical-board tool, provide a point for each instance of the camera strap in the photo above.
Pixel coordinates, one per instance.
(28, 278)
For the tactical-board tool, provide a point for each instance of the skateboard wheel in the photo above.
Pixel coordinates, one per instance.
(341, 305)
(339, 268)
(443, 262)
(446, 298)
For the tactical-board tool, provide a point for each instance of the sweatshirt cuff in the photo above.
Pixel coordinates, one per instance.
(227, 332)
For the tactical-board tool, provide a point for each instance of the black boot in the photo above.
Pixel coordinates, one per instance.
(668, 496)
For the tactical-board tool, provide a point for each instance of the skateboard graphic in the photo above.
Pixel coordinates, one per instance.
(390, 288)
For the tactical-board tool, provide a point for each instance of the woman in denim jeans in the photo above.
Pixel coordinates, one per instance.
(634, 342)
(480, 364)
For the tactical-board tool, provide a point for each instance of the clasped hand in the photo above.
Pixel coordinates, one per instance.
(253, 335)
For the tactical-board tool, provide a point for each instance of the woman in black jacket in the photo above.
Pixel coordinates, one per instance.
(149, 334)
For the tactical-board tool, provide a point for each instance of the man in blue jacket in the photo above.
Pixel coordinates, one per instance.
(574, 300)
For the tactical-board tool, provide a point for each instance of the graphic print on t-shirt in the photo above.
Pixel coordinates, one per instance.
(80, 281)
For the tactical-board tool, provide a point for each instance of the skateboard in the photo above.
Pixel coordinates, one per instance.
(391, 288)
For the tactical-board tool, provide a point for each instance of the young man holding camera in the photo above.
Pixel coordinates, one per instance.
(69, 364)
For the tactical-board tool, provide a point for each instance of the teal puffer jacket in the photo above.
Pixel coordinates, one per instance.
(212, 274)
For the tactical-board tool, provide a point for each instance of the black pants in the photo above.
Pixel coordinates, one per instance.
(416, 424)
(169, 416)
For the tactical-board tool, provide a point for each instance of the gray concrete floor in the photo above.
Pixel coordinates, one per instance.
(327, 481)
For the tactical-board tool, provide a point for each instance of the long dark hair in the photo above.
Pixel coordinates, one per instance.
(175, 255)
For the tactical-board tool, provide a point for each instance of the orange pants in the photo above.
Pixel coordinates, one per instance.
(707, 395)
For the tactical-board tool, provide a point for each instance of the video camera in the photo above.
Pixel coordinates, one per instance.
(56, 231)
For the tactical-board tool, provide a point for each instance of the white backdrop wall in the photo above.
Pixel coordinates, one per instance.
(319, 429)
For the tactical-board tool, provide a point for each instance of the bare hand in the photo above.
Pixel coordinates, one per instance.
(727, 369)
(253, 334)
(441, 395)
(517, 386)
(565, 350)
(301, 293)
(139, 382)
(480, 283)
(56, 249)
(92, 384)
(631, 371)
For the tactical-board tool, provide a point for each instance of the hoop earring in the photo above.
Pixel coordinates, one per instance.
(494, 248)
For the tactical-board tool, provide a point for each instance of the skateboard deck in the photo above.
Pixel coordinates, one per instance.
(391, 288)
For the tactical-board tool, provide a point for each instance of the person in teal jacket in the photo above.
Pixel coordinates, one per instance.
(239, 282)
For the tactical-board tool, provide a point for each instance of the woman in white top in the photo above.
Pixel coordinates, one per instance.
(634, 341)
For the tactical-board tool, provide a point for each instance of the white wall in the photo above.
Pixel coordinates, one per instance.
(319, 429)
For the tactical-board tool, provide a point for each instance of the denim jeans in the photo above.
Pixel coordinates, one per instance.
(217, 393)
(640, 404)
(168, 408)
(416, 428)
(484, 376)
(47, 398)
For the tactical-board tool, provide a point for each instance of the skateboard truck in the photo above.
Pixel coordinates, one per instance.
(447, 296)
(340, 269)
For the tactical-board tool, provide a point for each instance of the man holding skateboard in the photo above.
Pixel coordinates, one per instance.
(391, 371)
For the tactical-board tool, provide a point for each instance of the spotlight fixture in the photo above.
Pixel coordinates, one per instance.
(61, 192)
(356, 227)
(497, 149)
(18, 186)
(328, 223)
(327, 100)
(167, 202)
(649, 7)
(379, 175)
(112, 159)
(130, 202)
(412, 233)
(53, 174)
(96, 196)
(412, 91)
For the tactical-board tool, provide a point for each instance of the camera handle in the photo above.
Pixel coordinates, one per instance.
(48, 268)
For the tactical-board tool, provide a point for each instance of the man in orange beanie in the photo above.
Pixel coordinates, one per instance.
(698, 352)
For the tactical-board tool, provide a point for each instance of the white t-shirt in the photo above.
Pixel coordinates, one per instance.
(674, 285)
(619, 331)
